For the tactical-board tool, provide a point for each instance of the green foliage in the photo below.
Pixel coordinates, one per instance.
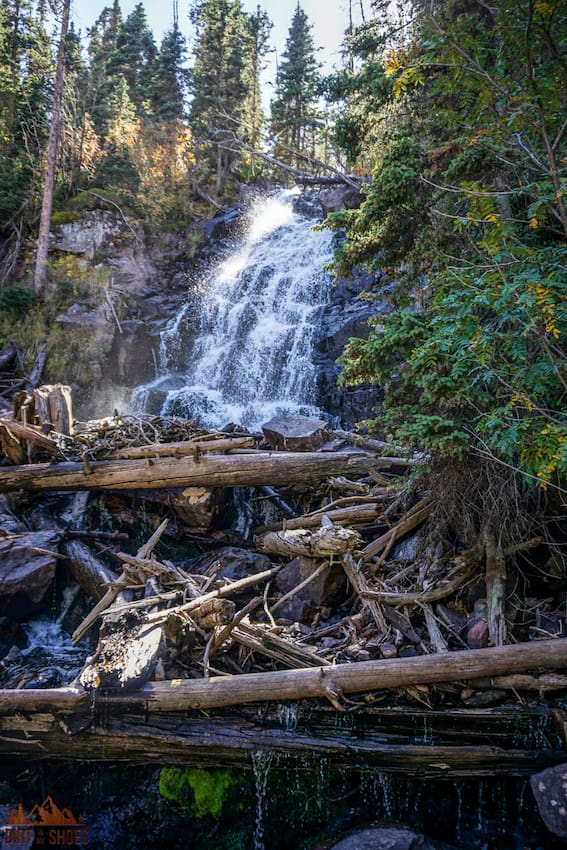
(203, 793)
(16, 300)
(471, 223)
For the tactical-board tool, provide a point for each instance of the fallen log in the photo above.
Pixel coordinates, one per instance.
(89, 573)
(326, 541)
(10, 445)
(31, 434)
(234, 740)
(180, 449)
(116, 588)
(412, 519)
(359, 584)
(236, 470)
(126, 656)
(222, 691)
(183, 694)
(361, 514)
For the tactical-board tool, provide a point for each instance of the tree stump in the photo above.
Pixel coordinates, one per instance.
(54, 407)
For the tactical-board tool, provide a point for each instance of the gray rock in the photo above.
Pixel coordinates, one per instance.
(550, 791)
(26, 567)
(340, 198)
(326, 589)
(94, 230)
(296, 433)
(234, 563)
(382, 839)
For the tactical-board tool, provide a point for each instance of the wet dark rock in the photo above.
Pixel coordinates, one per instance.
(218, 227)
(382, 838)
(10, 633)
(408, 652)
(26, 565)
(233, 563)
(326, 589)
(296, 433)
(345, 316)
(388, 650)
(550, 791)
(200, 508)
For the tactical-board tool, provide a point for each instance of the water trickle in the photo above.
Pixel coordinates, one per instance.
(261, 762)
(459, 824)
(288, 715)
(50, 650)
(388, 796)
(252, 357)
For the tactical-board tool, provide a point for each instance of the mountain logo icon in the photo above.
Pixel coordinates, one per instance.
(46, 814)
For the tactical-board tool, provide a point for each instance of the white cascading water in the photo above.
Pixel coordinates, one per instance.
(253, 355)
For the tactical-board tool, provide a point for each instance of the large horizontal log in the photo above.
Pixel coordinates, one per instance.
(210, 742)
(237, 470)
(182, 694)
(281, 685)
(441, 744)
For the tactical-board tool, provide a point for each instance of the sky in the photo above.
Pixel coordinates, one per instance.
(329, 19)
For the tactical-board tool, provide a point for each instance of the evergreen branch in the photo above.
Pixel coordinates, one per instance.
(460, 190)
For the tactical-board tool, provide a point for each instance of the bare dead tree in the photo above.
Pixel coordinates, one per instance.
(40, 274)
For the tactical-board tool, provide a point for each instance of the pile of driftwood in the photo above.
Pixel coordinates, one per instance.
(340, 596)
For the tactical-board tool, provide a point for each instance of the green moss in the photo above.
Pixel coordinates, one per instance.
(203, 792)
(64, 217)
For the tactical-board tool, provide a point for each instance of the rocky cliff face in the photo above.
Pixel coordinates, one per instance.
(346, 316)
(142, 280)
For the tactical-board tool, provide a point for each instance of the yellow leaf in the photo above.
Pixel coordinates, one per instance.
(533, 222)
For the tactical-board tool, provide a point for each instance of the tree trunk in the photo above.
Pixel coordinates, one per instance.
(235, 470)
(40, 274)
(185, 694)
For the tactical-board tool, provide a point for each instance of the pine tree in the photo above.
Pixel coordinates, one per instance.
(294, 108)
(26, 87)
(81, 149)
(257, 33)
(134, 57)
(218, 85)
(40, 273)
(103, 40)
(170, 81)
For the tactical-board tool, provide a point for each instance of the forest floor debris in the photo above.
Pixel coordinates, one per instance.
(342, 571)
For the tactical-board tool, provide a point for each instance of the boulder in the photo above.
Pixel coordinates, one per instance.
(383, 838)
(296, 433)
(326, 589)
(233, 563)
(94, 231)
(550, 791)
(199, 508)
(340, 198)
(26, 565)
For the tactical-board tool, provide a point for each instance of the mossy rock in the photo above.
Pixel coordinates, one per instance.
(203, 793)
(64, 217)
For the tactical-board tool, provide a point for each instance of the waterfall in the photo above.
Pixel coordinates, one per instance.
(249, 354)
